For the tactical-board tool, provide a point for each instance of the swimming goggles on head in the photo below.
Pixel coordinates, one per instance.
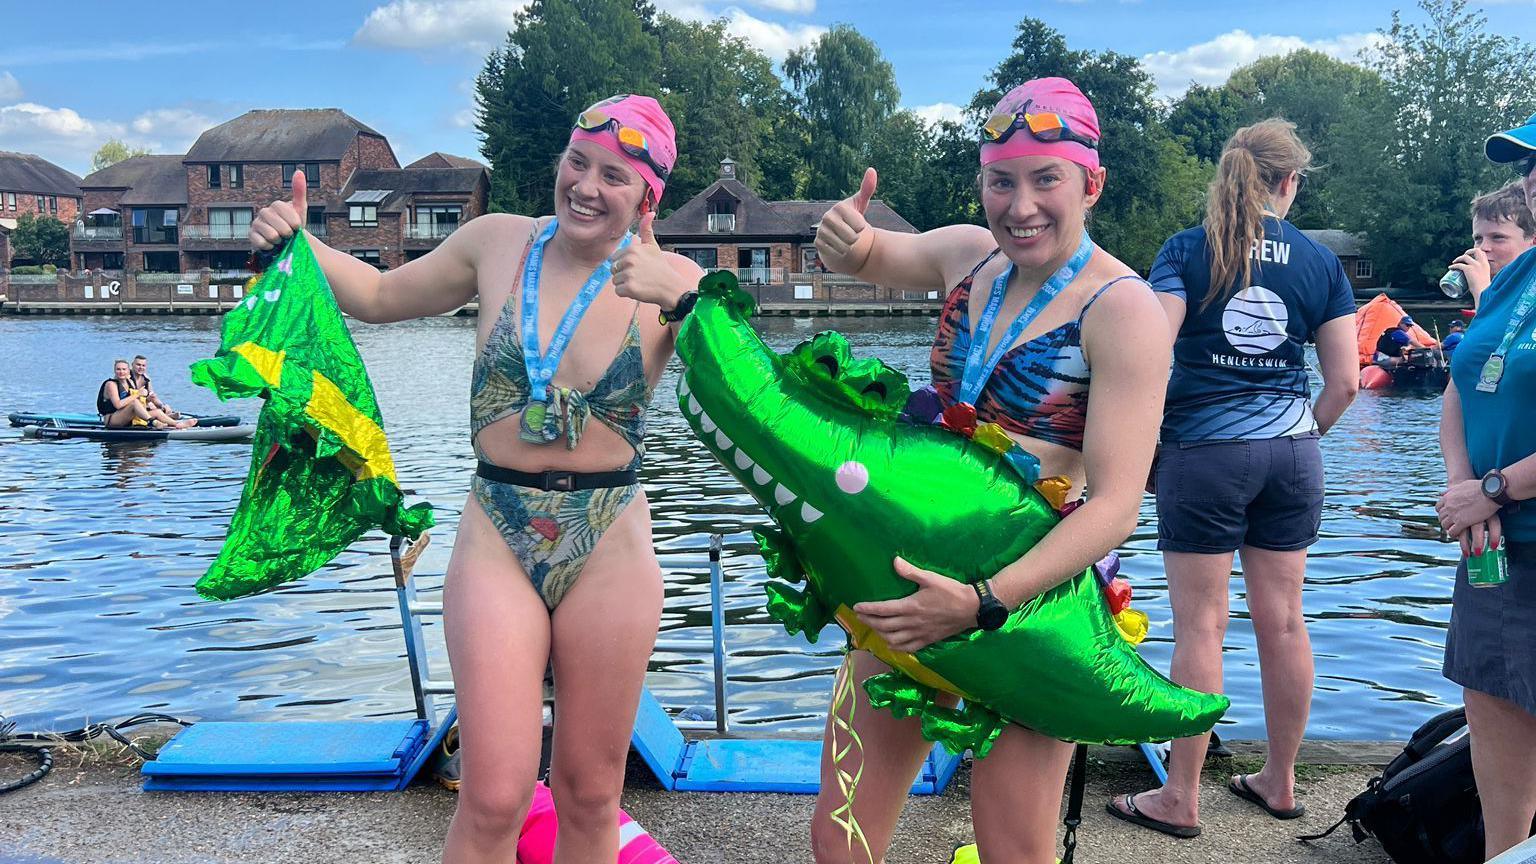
(631, 140)
(1042, 127)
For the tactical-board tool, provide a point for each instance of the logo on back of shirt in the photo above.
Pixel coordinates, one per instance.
(1254, 320)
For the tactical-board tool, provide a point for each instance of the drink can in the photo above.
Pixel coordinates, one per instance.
(1488, 569)
(1453, 284)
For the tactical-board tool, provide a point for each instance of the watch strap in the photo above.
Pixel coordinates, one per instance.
(1500, 498)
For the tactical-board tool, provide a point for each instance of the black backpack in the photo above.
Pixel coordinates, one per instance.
(1423, 809)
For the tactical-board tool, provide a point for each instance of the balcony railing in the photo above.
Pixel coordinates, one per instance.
(432, 231)
(215, 232)
(722, 223)
(755, 275)
(98, 232)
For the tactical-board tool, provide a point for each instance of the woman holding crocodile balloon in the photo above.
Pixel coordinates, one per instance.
(553, 563)
(1072, 316)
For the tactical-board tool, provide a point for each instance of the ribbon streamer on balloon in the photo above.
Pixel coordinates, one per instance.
(847, 781)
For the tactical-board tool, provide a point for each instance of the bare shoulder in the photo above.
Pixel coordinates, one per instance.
(960, 248)
(684, 266)
(493, 228)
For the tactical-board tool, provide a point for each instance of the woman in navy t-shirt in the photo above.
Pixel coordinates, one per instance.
(1239, 467)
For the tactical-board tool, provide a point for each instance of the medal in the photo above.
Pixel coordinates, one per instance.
(539, 425)
(1493, 370)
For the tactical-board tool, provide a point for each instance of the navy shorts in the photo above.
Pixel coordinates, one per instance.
(1218, 496)
(1488, 646)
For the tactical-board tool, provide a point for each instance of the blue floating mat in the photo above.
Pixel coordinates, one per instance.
(749, 764)
(294, 756)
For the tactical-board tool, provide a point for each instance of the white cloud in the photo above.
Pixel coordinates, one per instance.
(422, 24)
(59, 135)
(1211, 62)
(170, 130)
(10, 88)
(793, 7)
(938, 111)
(775, 40)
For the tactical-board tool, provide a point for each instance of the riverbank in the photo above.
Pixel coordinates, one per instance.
(90, 810)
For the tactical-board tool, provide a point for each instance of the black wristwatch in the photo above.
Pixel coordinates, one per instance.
(1496, 487)
(992, 613)
(681, 310)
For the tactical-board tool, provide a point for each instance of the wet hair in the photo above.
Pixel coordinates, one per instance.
(1255, 160)
(1506, 205)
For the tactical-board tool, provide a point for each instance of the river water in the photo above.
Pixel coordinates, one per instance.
(100, 545)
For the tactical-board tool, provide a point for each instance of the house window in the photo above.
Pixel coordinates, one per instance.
(10, 200)
(232, 223)
(311, 172)
(162, 262)
(435, 222)
(315, 221)
(369, 255)
(363, 215)
(236, 177)
(154, 225)
(1364, 269)
(42, 202)
(707, 259)
(53, 203)
(112, 261)
(213, 176)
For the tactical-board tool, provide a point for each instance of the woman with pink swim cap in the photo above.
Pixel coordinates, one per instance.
(553, 562)
(1050, 314)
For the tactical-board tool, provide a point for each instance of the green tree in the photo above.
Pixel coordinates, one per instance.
(724, 98)
(902, 151)
(1410, 163)
(1320, 95)
(1132, 140)
(113, 152)
(562, 56)
(1204, 118)
(846, 92)
(42, 239)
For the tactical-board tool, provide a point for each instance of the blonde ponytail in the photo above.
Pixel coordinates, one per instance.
(1254, 162)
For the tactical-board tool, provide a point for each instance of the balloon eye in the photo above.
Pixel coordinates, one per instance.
(830, 363)
(875, 389)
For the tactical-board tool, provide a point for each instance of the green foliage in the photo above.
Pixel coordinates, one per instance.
(846, 92)
(723, 97)
(40, 238)
(1204, 118)
(563, 56)
(113, 152)
(34, 270)
(1411, 161)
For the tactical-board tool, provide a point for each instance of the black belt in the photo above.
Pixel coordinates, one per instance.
(557, 481)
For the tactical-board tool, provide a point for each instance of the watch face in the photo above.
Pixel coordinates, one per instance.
(992, 616)
(1492, 485)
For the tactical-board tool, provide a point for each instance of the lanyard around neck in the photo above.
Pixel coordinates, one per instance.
(541, 367)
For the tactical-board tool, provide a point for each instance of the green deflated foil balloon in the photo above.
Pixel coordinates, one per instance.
(321, 472)
(814, 435)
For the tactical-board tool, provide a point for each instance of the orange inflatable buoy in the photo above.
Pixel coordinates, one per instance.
(1374, 378)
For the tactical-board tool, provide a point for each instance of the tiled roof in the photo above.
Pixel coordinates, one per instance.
(758, 218)
(148, 179)
(24, 172)
(1341, 243)
(446, 160)
(280, 135)
(407, 182)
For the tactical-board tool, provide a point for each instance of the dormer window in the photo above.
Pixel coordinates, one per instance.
(722, 216)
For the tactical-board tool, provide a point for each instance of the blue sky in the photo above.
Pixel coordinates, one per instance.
(73, 73)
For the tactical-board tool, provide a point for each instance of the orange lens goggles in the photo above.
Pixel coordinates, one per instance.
(631, 140)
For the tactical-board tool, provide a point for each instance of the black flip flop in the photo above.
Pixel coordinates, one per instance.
(1136, 817)
(1239, 786)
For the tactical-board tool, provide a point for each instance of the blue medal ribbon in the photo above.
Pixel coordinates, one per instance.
(979, 366)
(540, 425)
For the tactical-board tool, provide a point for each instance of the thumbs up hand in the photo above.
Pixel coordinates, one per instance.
(278, 221)
(641, 270)
(843, 239)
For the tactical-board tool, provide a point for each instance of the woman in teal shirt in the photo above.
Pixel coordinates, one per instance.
(1488, 437)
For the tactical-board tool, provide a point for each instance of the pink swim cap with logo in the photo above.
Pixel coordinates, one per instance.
(1047, 96)
(645, 115)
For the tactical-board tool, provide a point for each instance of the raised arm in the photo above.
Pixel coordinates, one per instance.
(848, 244)
(436, 283)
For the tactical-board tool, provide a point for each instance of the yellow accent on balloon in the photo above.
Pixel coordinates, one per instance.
(968, 854)
(267, 363)
(1132, 624)
(992, 437)
(1055, 490)
(330, 408)
(847, 781)
(866, 639)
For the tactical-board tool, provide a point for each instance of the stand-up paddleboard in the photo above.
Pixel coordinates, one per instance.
(94, 420)
(141, 433)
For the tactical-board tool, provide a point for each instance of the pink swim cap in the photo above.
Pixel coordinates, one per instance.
(643, 114)
(1047, 96)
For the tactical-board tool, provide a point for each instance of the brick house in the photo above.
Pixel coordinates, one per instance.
(1351, 251)
(193, 212)
(727, 226)
(32, 184)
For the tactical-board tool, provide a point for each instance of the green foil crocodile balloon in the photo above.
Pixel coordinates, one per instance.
(815, 436)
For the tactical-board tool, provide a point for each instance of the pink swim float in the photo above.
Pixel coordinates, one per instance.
(536, 843)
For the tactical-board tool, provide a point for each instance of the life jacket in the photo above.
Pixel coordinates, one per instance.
(103, 404)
